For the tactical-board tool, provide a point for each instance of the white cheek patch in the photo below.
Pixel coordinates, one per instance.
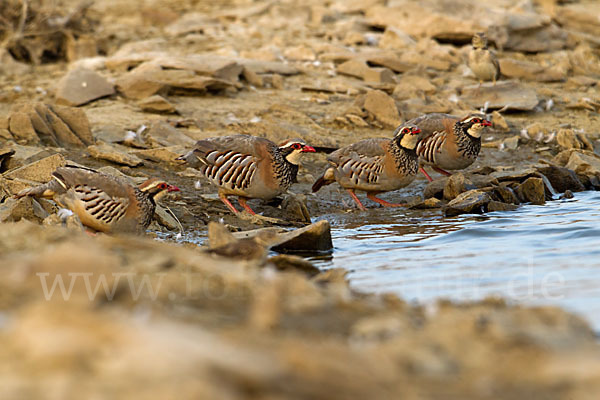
(409, 141)
(294, 157)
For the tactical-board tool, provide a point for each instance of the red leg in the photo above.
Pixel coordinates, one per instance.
(356, 200)
(242, 201)
(441, 171)
(227, 203)
(384, 203)
(426, 174)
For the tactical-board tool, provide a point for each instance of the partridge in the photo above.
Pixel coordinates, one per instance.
(248, 167)
(448, 142)
(103, 202)
(482, 61)
(374, 165)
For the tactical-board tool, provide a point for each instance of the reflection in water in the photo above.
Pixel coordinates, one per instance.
(535, 255)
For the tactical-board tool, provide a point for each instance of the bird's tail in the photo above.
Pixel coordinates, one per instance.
(325, 179)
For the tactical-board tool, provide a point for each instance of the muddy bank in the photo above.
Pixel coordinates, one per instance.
(126, 89)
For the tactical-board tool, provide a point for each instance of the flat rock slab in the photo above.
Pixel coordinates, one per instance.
(58, 126)
(508, 95)
(383, 108)
(157, 104)
(311, 238)
(81, 86)
(104, 151)
(471, 202)
(39, 171)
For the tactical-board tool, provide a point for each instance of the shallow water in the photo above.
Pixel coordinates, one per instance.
(547, 255)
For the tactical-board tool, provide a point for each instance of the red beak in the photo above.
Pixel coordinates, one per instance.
(308, 149)
(172, 188)
(415, 131)
(486, 123)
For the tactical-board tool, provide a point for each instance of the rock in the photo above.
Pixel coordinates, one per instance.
(52, 125)
(39, 171)
(411, 86)
(494, 205)
(354, 67)
(379, 75)
(568, 139)
(268, 67)
(455, 185)
(70, 221)
(431, 202)
(223, 68)
(312, 238)
(394, 39)
(505, 194)
(160, 154)
(532, 191)
(471, 202)
(499, 122)
(6, 154)
(300, 53)
(287, 262)
(511, 143)
(584, 164)
(383, 108)
(435, 188)
(141, 82)
(157, 104)
(81, 86)
(295, 207)
(561, 178)
(252, 78)
(508, 95)
(13, 210)
(165, 218)
(567, 195)
(162, 134)
(114, 153)
(530, 71)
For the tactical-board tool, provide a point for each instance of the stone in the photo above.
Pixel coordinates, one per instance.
(494, 205)
(13, 210)
(431, 202)
(141, 82)
(532, 191)
(160, 154)
(383, 108)
(252, 78)
(471, 202)
(315, 237)
(162, 134)
(354, 67)
(81, 86)
(530, 71)
(499, 122)
(511, 143)
(379, 75)
(585, 164)
(52, 125)
(435, 188)
(561, 178)
(112, 153)
(157, 104)
(288, 262)
(568, 139)
(455, 185)
(394, 39)
(505, 194)
(165, 218)
(508, 95)
(300, 53)
(295, 207)
(38, 171)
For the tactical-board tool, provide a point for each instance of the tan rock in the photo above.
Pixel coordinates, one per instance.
(509, 95)
(530, 71)
(356, 68)
(383, 108)
(455, 185)
(141, 82)
(470, 202)
(532, 191)
(394, 38)
(162, 134)
(157, 104)
(81, 86)
(38, 171)
(160, 154)
(113, 153)
(568, 139)
(379, 75)
(499, 122)
(22, 129)
(300, 53)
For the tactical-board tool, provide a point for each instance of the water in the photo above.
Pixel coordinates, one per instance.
(536, 255)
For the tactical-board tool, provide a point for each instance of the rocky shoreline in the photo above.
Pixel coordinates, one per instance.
(127, 90)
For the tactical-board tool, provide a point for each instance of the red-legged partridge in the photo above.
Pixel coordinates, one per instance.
(103, 202)
(374, 165)
(248, 167)
(482, 61)
(448, 142)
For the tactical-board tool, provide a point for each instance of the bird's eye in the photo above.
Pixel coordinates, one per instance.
(296, 146)
(476, 121)
(162, 186)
